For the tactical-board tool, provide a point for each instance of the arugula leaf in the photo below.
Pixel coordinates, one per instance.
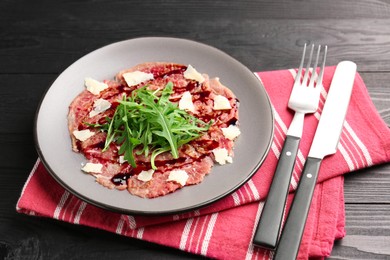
(148, 121)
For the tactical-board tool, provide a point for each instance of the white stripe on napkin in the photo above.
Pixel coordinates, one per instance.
(61, 204)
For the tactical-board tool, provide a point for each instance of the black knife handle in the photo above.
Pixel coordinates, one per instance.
(291, 236)
(268, 228)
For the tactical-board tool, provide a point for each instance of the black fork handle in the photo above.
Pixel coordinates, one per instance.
(268, 228)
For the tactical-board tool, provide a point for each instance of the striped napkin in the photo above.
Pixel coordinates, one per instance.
(224, 229)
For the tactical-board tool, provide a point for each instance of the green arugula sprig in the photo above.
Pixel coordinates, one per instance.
(149, 121)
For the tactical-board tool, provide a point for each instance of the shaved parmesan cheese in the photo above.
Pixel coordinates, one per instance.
(83, 135)
(100, 105)
(94, 86)
(145, 175)
(135, 77)
(221, 156)
(186, 103)
(178, 176)
(221, 103)
(231, 132)
(192, 74)
(92, 167)
(122, 159)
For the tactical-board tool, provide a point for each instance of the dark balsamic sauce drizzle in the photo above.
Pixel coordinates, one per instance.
(121, 178)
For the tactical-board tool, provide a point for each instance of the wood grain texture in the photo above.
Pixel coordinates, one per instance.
(39, 39)
(280, 43)
(58, 33)
(368, 229)
(21, 94)
(379, 90)
(368, 186)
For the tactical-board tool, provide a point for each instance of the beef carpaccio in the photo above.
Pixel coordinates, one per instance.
(206, 99)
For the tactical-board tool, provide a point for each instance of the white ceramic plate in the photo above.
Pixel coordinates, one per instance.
(255, 112)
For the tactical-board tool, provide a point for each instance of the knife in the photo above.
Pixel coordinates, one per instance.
(325, 143)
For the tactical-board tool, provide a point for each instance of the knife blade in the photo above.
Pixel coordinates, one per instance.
(324, 143)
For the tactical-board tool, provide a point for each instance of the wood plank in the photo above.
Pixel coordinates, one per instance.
(368, 185)
(368, 233)
(20, 96)
(366, 219)
(17, 153)
(260, 45)
(378, 86)
(174, 9)
(362, 247)
(49, 41)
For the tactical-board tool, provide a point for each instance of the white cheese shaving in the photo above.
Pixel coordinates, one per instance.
(221, 156)
(135, 77)
(83, 135)
(186, 103)
(192, 74)
(92, 167)
(145, 175)
(94, 86)
(178, 176)
(100, 105)
(231, 132)
(221, 103)
(122, 159)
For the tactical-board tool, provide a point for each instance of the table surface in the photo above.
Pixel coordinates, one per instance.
(39, 39)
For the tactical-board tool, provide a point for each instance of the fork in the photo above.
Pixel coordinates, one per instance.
(304, 99)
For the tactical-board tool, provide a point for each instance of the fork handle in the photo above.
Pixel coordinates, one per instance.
(268, 228)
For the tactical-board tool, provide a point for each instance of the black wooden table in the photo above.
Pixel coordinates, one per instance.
(39, 39)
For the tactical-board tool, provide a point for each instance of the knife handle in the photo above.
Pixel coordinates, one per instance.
(268, 228)
(291, 236)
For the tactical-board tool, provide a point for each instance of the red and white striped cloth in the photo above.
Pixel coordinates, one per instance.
(224, 229)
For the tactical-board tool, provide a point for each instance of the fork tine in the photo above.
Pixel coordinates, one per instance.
(298, 76)
(320, 76)
(311, 83)
(305, 77)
